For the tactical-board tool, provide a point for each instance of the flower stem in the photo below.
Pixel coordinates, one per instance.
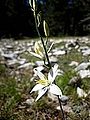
(63, 117)
(49, 64)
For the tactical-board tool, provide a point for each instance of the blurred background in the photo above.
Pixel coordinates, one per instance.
(64, 17)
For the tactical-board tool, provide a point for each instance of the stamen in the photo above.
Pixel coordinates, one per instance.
(43, 82)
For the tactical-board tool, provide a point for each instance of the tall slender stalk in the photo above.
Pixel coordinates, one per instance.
(63, 117)
(49, 64)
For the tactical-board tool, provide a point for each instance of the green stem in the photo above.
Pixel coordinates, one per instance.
(49, 64)
(63, 117)
(46, 40)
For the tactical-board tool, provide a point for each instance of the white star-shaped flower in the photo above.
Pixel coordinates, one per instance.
(39, 51)
(45, 84)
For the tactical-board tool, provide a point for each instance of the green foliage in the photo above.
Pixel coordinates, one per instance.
(9, 93)
(86, 84)
(2, 69)
(63, 80)
(64, 18)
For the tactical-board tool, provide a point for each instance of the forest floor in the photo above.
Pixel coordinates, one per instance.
(72, 54)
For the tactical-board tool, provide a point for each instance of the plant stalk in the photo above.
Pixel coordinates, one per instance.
(49, 64)
(62, 112)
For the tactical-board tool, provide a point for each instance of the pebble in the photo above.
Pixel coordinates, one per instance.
(29, 101)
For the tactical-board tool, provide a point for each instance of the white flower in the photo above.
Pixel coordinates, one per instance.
(46, 84)
(39, 51)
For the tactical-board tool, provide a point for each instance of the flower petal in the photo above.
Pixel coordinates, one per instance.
(38, 49)
(55, 68)
(41, 93)
(50, 76)
(40, 75)
(36, 55)
(39, 68)
(50, 47)
(37, 87)
(54, 89)
(53, 73)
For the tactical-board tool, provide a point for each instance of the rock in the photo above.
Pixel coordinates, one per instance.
(66, 108)
(26, 65)
(82, 66)
(81, 92)
(39, 63)
(83, 48)
(74, 80)
(73, 63)
(72, 44)
(9, 56)
(21, 61)
(9, 46)
(29, 101)
(59, 52)
(53, 59)
(64, 98)
(86, 52)
(12, 62)
(84, 73)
